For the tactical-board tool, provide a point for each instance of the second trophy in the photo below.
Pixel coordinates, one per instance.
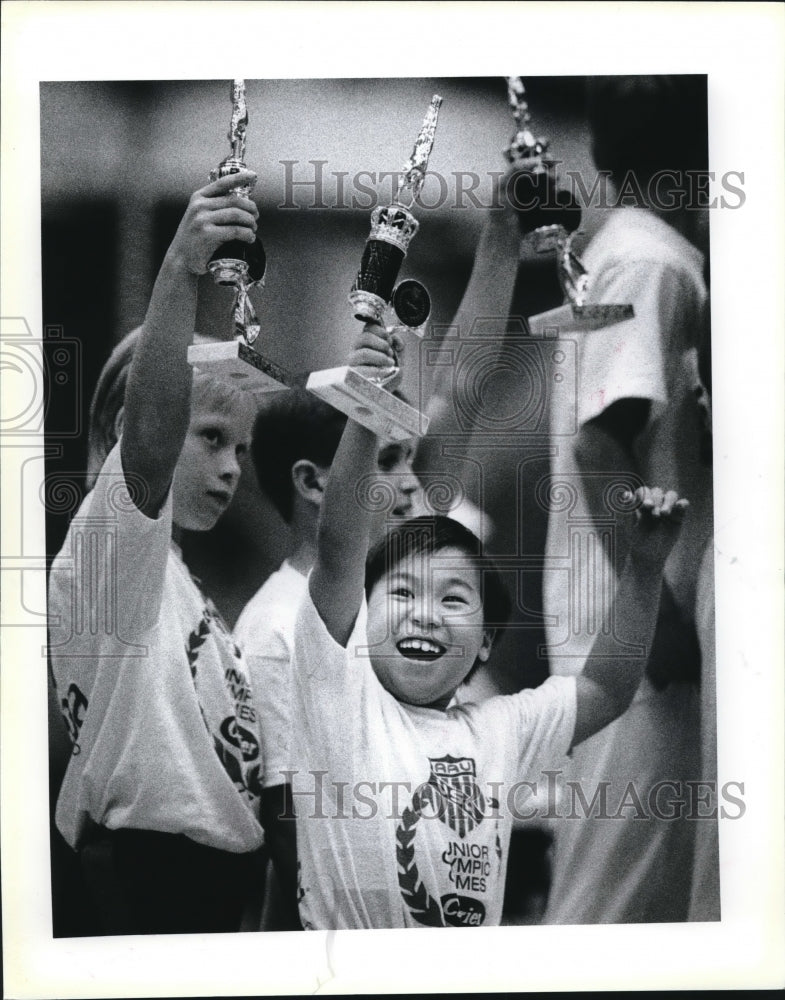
(375, 298)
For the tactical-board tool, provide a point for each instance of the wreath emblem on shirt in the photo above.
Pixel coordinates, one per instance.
(231, 736)
(451, 794)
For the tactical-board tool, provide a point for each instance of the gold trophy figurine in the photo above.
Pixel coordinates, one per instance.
(242, 267)
(376, 298)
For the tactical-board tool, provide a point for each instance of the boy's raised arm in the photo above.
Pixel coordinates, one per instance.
(157, 400)
(607, 685)
(338, 577)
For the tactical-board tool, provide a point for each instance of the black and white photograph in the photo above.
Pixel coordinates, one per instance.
(392, 501)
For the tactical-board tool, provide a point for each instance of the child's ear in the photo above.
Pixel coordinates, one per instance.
(309, 480)
(487, 642)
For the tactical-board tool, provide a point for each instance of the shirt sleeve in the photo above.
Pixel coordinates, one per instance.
(334, 691)
(269, 659)
(543, 722)
(628, 359)
(106, 584)
(271, 683)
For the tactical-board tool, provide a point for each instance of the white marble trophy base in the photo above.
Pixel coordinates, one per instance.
(367, 403)
(239, 364)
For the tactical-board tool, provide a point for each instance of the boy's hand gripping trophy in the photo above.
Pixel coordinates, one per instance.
(367, 400)
(529, 157)
(240, 266)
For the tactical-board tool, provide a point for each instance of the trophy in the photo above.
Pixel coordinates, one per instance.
(375, 295)
(240, 266)
(549, 212)
(574, 281)
(552, 224)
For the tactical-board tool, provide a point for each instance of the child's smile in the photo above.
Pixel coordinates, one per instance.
(421, 649)
(426, 626)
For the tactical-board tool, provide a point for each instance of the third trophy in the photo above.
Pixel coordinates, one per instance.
(551, 222)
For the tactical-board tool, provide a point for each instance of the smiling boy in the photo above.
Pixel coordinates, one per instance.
(165, 765)
(294, 441)
(402, 798)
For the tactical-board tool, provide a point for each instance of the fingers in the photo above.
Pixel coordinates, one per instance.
(222, 186)
(230, 201)
(654, 503)
(225, 219)
(373, 338)
(232, 216)
(224, 234)
(365, 357)
(679, 511)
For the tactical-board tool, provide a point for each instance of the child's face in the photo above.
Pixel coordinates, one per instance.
(208, 470)
(395, 465)
(426, 627)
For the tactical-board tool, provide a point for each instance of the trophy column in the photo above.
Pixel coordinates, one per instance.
(375, 295)
(242, 267)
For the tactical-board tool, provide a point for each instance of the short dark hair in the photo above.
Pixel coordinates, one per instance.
(291, 425)
(645, 124)
(429, 534)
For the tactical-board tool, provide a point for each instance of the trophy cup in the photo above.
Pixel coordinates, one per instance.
(552, 223)
(374, 293)
(240, 266)
(550, 212)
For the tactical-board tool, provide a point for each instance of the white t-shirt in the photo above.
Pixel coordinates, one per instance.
(629, 868)
(635, 258)
(153, 689)
(404, 813)
(265, 633)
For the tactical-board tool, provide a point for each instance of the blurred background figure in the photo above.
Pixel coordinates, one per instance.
(637, 421)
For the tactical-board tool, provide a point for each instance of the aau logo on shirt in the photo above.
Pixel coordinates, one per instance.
(451, 794)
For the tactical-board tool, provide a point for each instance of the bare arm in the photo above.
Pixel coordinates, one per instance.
(605, 444)
(158, 397)
(488, 294)
(337, 581)
(608, 683)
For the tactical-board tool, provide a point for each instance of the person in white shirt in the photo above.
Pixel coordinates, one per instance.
(633, 418)
(294, 441)
(165, 769)
(404, 802)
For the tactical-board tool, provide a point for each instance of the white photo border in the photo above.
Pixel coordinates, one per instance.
(740, 48)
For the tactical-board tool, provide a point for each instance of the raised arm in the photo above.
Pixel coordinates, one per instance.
(488, 294)
(158, 397)
(608, 682)
(336, 583)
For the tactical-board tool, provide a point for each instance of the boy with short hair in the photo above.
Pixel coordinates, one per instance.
(402, 800)
(166, 765)
(294, 442)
